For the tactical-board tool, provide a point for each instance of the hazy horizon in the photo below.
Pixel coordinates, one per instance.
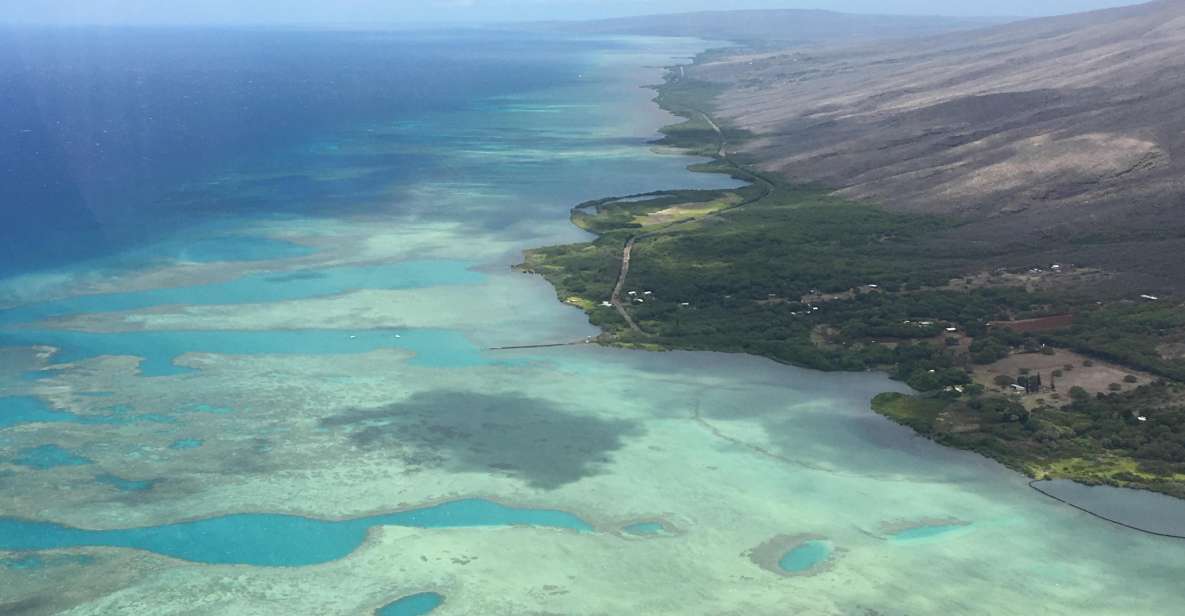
(305, 12)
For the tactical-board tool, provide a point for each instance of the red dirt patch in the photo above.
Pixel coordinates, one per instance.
(1042, 324)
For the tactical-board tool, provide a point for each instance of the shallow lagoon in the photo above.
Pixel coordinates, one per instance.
(412, 605)
(275, 540)
(927, 532)
(732, 450)
(806, 556)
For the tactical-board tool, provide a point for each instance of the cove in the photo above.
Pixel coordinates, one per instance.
(412, 605)
(263, 288)
(806, 556)
(271, 540)
(435, 348)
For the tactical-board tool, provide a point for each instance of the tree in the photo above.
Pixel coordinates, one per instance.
(1004, 381)
(1079, 394)
(924, 380)
(988, 350)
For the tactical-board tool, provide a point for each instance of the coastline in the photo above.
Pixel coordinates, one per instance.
(704, 455)
(700, 135)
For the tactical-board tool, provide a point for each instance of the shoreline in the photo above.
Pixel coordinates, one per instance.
(721, 162)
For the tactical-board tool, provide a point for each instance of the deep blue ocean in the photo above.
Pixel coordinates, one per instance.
(109, 133)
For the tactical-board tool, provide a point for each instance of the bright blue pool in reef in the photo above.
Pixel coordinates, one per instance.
(412, 605)
(435, 348)
(270, 540)
(806, 556)
(263, 288)
(927, 532)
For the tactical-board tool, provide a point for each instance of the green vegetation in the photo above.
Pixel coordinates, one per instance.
(655, 210)
(1130, 334)
(585, 272)
(1093, 440)
(921, 414)
(800, 276)
(690, 99)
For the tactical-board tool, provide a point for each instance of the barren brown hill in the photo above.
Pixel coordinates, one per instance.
(1067, 132)
(781, 25)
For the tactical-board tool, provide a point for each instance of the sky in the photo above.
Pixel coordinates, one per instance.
(395, 12)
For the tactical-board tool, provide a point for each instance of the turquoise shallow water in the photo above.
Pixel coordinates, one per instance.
(928, 532)
(17, 410)
(264, 287)
(412, 605)
(438, 348)
(45, 457)
(267, 540)
(806, 556)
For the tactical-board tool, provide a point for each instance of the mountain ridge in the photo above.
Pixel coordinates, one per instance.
(767, 26)
(1048, 130)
